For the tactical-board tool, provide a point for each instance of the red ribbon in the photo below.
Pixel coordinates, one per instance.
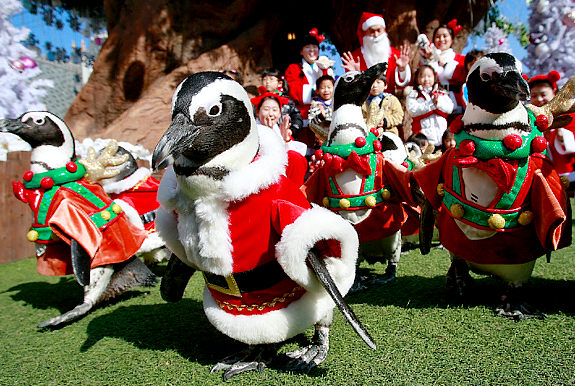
(336, 164)
(313, 32)
(501, 171)
(456, 28)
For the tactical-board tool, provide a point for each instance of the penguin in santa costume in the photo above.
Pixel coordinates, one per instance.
(362, 179)
(76, 227)
(228, 210)
(501, 204)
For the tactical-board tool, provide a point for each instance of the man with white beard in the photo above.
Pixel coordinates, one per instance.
(375, 48)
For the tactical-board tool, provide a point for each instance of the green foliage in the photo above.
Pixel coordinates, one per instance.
(423, 335)
(493, 16)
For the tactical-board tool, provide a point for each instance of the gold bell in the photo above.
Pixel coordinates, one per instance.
(116, 208)
(105, 215)
(386, 194)
(440, 189)
(457, 210)
(325, 202)
(525, 218)
(32, 235)
(370, 201)
(496, 221)
(344, 203)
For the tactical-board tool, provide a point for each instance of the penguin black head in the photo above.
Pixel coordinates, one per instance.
(51, 141)
(353, 87)
(495, 84)
(212, 131)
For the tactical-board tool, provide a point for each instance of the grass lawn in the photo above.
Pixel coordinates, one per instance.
(423, 336)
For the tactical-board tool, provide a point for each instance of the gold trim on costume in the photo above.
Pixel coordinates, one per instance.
(232, 289)
(259, 307)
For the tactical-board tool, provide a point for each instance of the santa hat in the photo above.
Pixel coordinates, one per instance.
(550, 78)
(366, 21)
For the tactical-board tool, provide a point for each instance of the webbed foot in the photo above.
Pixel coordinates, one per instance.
(307, 358)
(513, 306)
(458, 279)
(74, 314)
(252, 358)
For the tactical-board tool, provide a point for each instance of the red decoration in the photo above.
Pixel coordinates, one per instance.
(467, 147)
(28, 176)
(318, 154)
(377, 145)
(542, 122)
(360, 141)
(328, 157)
(539, 144)
(405, 164)
(257, 100)
(456, 125)
(513, 141)
(46, 183)
(313, 32)
(456, 28)
(71, 167)
(374, 131)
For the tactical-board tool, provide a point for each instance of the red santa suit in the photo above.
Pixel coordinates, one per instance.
(139, 190)
(562, 150)
(525, 219)
(250, 235)
(66, 206)
(301, 78)
(384, 191)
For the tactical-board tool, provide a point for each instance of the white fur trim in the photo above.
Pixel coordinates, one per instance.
(298, 238)
(115, 187)
(568, 144)
(373, 21)
(131, 213)
(152, 241)
(274, 326)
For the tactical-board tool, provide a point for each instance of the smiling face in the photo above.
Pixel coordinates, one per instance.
(269, 112)
(310, 53)
(541, 94)
(426, 77)
(325, 90)
(442, 39)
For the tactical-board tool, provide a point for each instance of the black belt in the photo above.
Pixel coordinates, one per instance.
(148, 217)
(256, 279)
(452, 87)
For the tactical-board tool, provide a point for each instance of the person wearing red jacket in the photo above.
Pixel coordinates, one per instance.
(376, 48)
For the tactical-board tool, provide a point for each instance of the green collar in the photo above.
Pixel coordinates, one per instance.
(487, 148)
(345, 150)
(73, 171)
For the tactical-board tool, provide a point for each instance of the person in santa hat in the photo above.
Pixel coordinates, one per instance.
(376, 48)
(561, 141)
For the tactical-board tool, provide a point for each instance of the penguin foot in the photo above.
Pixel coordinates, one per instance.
(252, 358)
(512, 306)
(358, 285)
(389, 275)
(307, 358)
(74, 314)
(458, 280)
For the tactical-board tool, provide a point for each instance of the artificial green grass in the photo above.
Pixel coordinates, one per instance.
(423, 336)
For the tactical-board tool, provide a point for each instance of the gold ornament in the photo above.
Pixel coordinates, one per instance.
(32, 235)
(344, 203)
(386, 194)
(102, 166)
(496, 221)
(440, 189)
(525, 218)
(116, 208)
(457, 210)
(370, 201)
(105, 215)
(325, 202)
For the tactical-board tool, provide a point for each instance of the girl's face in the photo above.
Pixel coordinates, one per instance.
(449, 141)
(442, 39)
(325, 90)
(269, 112)
(425, 77)
(270, 82)
(310, 53)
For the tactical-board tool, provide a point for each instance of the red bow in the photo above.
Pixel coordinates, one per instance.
(313, 32)
(263, 94)
(336, 164)
(501, 171)
(456, 28)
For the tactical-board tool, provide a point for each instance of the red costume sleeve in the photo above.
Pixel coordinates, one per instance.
(295, 79)
(429, 176)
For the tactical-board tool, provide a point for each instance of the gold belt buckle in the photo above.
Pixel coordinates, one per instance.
(232, 289)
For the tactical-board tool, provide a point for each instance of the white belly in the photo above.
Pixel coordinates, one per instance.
(349, 182)
(514, 274)
(481, 190)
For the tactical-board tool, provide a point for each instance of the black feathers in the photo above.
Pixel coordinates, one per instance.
(353, 88)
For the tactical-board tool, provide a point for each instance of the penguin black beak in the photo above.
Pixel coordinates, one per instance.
(176, 140)
(13, 126)
(368, 77)
(512, 85)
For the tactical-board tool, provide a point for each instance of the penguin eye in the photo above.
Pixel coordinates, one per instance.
(349, 77)
(215, 110)
(490, 73)
(39, 121)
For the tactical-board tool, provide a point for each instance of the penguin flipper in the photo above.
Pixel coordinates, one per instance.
(426, 224)
(175, 279)
(80, 263)
(74, 314)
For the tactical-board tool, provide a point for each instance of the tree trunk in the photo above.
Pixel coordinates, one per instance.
(154, 44)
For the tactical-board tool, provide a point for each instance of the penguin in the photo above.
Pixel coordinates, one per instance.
(501, 204)
(76, 227)
(364, 179)
(228, 210)
(136, 186)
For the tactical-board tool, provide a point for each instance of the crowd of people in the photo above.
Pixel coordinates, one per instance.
(418, 106)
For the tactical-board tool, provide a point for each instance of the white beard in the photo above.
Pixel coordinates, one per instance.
(376, 50)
